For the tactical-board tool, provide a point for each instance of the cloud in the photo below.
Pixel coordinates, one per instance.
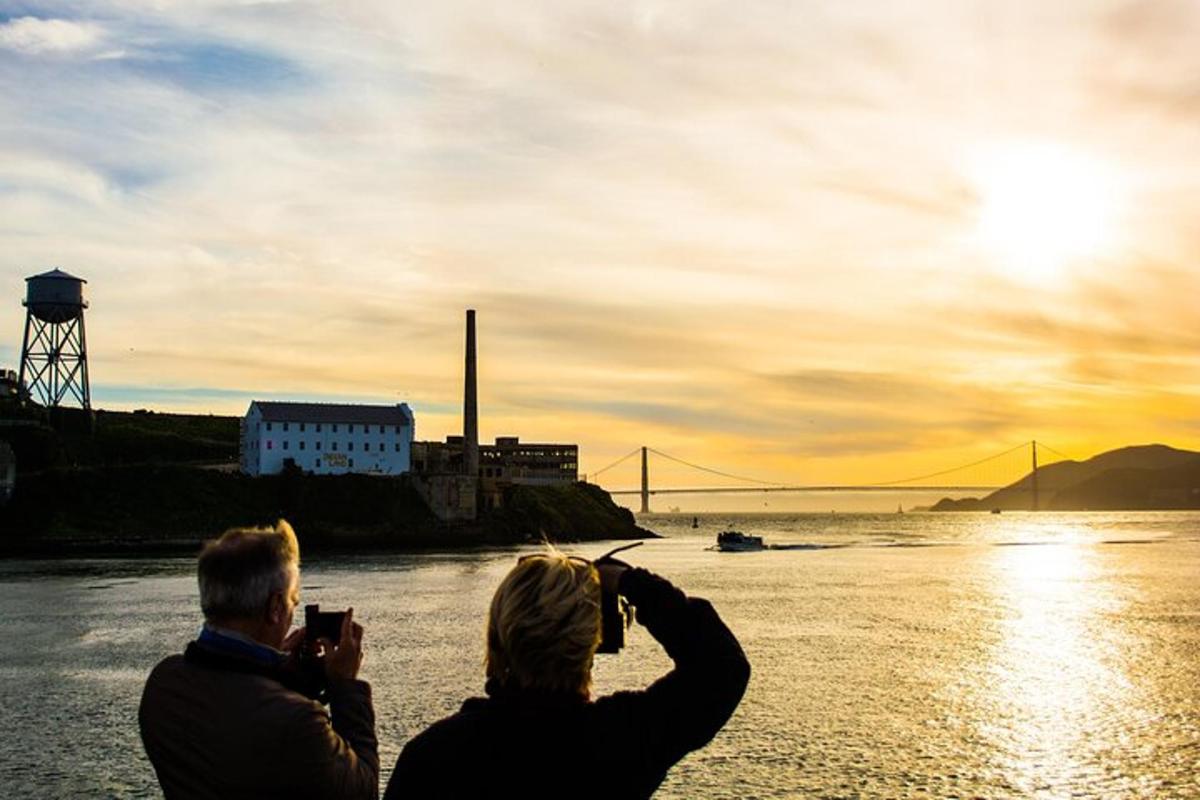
(738, 231)
(34, 36)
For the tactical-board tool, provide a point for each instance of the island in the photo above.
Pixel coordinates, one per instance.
(141, 482)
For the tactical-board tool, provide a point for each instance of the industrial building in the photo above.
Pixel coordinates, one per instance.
(327, 438)
(507, 462)
(10, 385)
(459, 476)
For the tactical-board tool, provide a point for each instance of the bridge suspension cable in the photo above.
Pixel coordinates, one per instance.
(1045, 446)
(1010, 451)
(625, 457)
(714, 471)
(995, 481)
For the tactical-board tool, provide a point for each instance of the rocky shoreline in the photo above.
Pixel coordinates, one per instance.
(159, 510)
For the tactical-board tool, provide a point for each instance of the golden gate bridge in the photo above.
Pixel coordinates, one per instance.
(984, 475)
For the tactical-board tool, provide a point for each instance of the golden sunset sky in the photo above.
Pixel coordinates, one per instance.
(812, 242)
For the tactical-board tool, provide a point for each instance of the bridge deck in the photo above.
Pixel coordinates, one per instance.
(755, 489)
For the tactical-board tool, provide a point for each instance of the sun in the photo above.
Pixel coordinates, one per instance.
(1043, 208)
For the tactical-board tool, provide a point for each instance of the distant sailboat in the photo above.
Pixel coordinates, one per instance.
(899, 508)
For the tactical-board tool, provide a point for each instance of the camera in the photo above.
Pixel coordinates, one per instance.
(320, 624)
(615, 613)
(614, 620)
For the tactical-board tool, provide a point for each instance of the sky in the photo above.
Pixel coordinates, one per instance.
(809, 242)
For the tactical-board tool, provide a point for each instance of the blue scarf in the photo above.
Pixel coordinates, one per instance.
(233, 644)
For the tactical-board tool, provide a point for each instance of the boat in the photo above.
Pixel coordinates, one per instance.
(995, 511)
(738, 542)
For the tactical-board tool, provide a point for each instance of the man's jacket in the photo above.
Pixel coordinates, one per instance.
(528, 745)
(218, 722)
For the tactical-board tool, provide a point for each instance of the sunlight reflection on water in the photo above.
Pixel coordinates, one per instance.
(1059, 667)
(1056, 677)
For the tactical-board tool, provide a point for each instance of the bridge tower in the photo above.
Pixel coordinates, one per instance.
(1034, 476)
(645, 485)
(54, 353)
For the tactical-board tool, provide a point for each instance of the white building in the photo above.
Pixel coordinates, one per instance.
(327, 438)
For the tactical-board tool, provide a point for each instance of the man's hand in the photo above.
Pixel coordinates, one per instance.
(293, 642)
(343, 659)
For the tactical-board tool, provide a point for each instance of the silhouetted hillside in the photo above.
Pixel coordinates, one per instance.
(144, 482)
(148, 509)
(120, 438)
(1141, 477)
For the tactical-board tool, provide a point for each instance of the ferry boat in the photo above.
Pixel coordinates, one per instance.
(738, 542)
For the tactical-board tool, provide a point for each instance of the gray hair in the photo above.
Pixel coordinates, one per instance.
(240, 571)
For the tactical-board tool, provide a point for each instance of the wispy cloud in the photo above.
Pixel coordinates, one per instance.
(742, 233)
(34, 36)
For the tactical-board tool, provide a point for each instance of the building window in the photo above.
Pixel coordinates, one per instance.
(381, 447)
(270, 444)
(397, 429)
(397, 447)
(285, 426)
(318, 463)
(351, 461)
(318, 427)
(302, 444)
(334, 447)
(334, 427)
(302, 427)
(268, 426)
(285, 444)
(350, 428)
(317, 444)
(350, 446)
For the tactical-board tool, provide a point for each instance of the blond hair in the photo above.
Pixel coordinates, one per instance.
(240, 570)
(544, 625)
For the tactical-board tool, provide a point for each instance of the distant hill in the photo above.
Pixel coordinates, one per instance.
(1143, 477)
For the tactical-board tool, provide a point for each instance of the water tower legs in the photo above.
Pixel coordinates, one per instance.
(54, 362)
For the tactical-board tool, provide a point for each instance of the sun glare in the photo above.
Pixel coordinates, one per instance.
(1043, 208)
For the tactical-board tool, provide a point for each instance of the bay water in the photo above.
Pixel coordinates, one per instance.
(917, 655)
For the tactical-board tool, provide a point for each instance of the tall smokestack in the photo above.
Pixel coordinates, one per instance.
(470, 405)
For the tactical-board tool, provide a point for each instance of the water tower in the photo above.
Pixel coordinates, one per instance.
(54, 355)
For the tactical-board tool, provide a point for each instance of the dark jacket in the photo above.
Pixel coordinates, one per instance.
(219, 725)
(619, 746)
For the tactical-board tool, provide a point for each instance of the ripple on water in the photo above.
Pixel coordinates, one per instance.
(1065, 670)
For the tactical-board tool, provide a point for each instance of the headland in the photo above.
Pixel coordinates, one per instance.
(1151, 477)
(155, 484)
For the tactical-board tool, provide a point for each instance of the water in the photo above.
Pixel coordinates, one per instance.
(916, 656)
